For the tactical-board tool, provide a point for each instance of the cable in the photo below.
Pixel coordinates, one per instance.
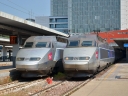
(14, 8)
(17, 5)
(23, 8)
(18, 9)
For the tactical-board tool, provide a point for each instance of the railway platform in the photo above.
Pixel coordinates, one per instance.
(7, 70)
(113, 83)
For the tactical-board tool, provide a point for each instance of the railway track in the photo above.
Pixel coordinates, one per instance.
(17, 86)
(66, 88)
(4, 86)
(47, 89)
(42, 88)
(82, 84)
(59, 89)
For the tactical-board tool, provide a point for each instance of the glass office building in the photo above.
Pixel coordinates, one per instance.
(59, 7)
(88, 15)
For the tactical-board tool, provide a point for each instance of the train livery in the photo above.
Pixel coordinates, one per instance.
(86, 54)
(40, 55)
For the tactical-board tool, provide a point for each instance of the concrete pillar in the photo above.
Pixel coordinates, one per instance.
(4, 53)
(15, 50)
(14, 53)
(10, 55)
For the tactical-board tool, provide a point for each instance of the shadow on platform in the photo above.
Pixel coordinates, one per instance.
(124, 60)
(6, 67)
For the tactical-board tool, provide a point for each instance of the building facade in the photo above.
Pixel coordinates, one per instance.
(57, 23)
(124, 14)
(92, 15)
(59, 8)
(42, 20)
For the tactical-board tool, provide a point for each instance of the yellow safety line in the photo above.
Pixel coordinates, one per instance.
(110, 72)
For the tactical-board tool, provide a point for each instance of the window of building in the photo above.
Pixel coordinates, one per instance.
(61, 20)
(51, 20)
(52, 26)
(61, 25)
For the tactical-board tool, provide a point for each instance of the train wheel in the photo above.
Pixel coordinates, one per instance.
(50, 71)
(96, 71)
(107, 65)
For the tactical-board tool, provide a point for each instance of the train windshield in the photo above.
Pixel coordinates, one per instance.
(73, 43)
(28, 44)
(86, 43)
(41, 44)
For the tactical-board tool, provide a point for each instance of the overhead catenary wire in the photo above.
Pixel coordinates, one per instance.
(13, 8)
(18, 5)
(28, 12)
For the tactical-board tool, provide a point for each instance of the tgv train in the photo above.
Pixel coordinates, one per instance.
(86, 54)
(40, 55)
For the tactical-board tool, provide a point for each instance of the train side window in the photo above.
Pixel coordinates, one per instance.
(28, 44)
(103, 53)
(41, 44)
(73, 43)
(86, 43)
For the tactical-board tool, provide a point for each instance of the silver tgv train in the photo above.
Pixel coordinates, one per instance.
(40, 55)
(86, 54)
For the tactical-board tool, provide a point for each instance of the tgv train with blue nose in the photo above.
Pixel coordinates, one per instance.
(40, 55)
(86, 54)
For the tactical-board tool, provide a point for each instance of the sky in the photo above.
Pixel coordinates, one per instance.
(26, 8)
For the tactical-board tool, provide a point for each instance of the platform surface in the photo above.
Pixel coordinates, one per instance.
(113, 83)
(6, 69)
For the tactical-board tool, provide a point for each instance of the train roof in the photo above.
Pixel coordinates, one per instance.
(42, 38)
(87, 36)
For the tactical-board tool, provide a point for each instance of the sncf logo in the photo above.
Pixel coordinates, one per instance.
(50, 56)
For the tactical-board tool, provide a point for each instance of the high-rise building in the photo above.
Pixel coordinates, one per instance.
(92, 15)
(59, 7)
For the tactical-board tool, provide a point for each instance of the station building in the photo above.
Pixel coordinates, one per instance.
(117, 39)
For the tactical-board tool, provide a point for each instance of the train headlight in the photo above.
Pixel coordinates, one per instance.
(34, 58)
(20, 59)
(68, 58)
(84, 58)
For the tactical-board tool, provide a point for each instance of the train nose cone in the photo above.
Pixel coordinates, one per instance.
(34, 52)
